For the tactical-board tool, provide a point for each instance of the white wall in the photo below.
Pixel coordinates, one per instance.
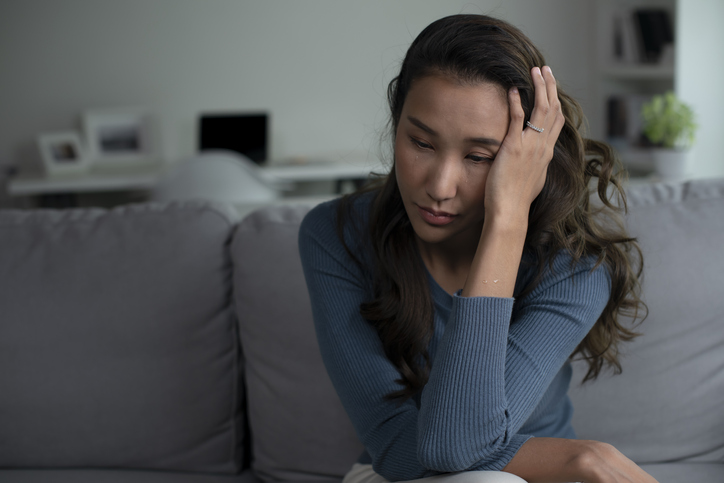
(698, 81)
(319, 66)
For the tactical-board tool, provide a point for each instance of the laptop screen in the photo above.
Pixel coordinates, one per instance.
(245, 133)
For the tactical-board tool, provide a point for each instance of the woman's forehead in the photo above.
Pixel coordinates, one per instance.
(441, 102)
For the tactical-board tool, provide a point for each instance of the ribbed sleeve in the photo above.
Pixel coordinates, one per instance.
(459, 424)
(493, 362)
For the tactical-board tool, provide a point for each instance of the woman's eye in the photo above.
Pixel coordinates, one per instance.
(479, 159)
(420, 144)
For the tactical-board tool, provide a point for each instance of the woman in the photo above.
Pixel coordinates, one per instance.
(449, 300)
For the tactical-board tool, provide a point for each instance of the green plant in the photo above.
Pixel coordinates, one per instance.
(669, 122)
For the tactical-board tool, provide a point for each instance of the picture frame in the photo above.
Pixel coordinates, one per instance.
(63, 153)
(121, 137)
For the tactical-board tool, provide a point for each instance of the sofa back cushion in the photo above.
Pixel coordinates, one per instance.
(667, 404)
(299, 429)
(118, 344)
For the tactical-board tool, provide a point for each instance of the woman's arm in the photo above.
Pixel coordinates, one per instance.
(514, 180)
(549, 460)
(473, 351)
(551, 324)
(493, 367)
(352, 351)
(362, 374)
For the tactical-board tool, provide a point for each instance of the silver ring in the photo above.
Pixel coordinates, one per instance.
(539, 129)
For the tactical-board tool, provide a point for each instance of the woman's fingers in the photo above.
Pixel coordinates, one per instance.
(541, 106)
(555, 115)
(551, 88)
(517, 115)
(519, 172)
(547, 109)
(547, 117)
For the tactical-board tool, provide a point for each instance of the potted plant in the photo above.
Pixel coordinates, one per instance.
(670, 125)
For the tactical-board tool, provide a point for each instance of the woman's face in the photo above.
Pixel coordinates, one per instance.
(447, 138)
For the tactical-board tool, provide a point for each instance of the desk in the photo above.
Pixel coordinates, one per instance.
(145, 178)
(322, 171)
(29, 184)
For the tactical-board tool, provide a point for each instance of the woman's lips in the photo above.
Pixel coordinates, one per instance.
(437, 218)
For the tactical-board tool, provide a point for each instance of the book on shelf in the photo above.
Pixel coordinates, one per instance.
(642, 36)
(624, 131)
(654, 29)
(623, 120)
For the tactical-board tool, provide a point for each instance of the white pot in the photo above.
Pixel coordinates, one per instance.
(671, 164)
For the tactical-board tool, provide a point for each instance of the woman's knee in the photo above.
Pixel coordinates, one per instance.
(475, 477)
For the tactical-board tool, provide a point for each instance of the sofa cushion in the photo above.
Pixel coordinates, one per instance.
(119, 476)
(299, 429)
(118, 344)
(667, 404)
(686, 472)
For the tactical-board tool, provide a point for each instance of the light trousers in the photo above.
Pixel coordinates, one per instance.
(365, 474)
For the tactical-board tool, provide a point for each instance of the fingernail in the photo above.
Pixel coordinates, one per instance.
(514, 90)
(548, 69)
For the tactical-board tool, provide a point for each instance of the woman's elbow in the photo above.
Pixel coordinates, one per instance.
(447, 457)
(400, 474)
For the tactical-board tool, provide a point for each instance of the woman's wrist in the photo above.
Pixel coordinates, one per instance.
(591, 459)
(512, 212)
(509, 224)
(495, 265)
(557, 459)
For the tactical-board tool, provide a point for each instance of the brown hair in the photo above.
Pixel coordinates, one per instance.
(476, 49)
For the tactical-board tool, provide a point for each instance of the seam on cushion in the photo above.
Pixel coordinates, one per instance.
(237, 417)
(219, 212)
(236, 397)
(690, 202)
(279, 215)
(93, 214)
(690, 191)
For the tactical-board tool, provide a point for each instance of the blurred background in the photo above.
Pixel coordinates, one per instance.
(318, 69)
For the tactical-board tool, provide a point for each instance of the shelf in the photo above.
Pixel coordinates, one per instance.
(140, 178)
(636, 159)
(639, 72)
(619, 71)
(145, 178)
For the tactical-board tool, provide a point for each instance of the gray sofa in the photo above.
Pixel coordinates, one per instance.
(172, 343)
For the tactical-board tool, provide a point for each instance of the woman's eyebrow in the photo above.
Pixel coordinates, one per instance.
(421, 125)
(431, 131)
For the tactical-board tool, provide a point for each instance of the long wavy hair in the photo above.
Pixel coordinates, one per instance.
(481, 49)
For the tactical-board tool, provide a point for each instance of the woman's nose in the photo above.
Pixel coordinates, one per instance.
(442, 179)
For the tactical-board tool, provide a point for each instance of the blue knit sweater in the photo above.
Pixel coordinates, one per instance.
(500, 370)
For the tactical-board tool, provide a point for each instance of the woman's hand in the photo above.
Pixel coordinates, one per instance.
(605, 464)
(519, 172)
(515, 178)
(557, 459)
